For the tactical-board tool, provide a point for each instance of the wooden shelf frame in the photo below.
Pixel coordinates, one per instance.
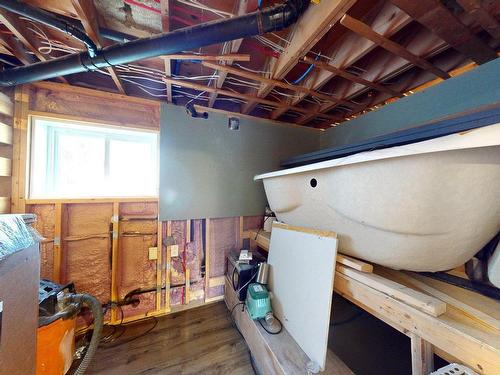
(458, 335)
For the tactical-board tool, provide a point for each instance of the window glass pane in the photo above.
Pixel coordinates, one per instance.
(74, 160)
(132, 164)
(79, 165)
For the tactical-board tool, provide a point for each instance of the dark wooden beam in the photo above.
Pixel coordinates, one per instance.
(482, 17)
(434, 15)
(88, 16)
(350, 48)
(166, 26)
(241, 8)
(364, 30)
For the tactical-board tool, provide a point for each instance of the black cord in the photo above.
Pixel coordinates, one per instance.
(271, 333)
(348, 320)
(135, 337)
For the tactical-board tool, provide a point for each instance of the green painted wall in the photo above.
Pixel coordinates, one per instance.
(474, 89)
(206, 170)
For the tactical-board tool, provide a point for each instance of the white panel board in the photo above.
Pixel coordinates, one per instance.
(301, 280)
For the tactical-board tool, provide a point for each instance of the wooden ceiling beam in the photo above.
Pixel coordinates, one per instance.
(88, 16)
(209, 57)
(482, 16)
(310, 28)
(364, 30)
(351, 77)
(19, 29)
(166, 26)
(350, 48)
(17, 49)
(241, 9)
(434, 15)
(247, 97)
(256, 77)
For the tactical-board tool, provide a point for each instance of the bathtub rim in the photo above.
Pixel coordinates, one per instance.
(486, 136)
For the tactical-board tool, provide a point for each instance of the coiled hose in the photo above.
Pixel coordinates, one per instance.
(96, 308)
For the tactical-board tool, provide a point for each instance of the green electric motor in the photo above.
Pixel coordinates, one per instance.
(258, 301)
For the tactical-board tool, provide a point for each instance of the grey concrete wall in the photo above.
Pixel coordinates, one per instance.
(474, 89)
(206, 170)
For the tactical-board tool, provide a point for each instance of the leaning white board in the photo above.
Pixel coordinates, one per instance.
(301, 281)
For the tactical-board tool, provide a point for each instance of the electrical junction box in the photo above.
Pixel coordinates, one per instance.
(174, 250)
(153, 253)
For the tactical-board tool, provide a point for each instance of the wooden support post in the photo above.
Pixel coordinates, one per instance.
(207, 257)
(187, 286)
(20, 147)
(159, 268)
(114, 257)
(168, 260)
(57, 256)
(241, 231)
(422, 356)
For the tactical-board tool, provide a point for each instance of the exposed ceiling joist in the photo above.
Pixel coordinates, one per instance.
(351, 77)
(434, 15)
(19, 29)
(247, 97)
(209, 57)
(241, 9)
(263, 80)
(482, 16)
(350, 48)
(364, 30)
(88, 15)
(17, 49)
(310, 28)
(165, 9)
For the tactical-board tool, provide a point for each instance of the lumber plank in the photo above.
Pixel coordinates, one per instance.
(418, 300)
(350, 48)
(437, 18)
(114, 257)
(5, 167)
(6, 105)
(485, 19)
(209, 57)
(364, 30)
(5, 134)
(311, 27)
(465, 308)
(422, 356)
(241, 7)
(4, 205)
(262, 239)
(475, 348)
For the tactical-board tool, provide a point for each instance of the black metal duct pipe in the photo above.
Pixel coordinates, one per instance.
(50, 20)
(269, 19)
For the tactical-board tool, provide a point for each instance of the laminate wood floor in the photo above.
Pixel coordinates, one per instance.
(197, 341)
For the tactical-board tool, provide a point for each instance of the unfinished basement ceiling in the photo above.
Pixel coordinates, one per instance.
(347, 58)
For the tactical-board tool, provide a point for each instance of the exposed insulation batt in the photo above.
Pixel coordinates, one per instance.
(224, 237)
(45, 226)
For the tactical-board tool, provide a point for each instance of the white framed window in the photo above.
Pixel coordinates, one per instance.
(76, 160)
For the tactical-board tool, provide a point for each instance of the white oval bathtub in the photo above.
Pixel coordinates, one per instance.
(426, 206)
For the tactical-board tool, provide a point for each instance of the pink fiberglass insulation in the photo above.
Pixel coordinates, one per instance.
(224, 237)
(147, 304)
(178, 232)
(135, 270)
(86, 241)
(178, 296)
(45, 226)
(87, 264)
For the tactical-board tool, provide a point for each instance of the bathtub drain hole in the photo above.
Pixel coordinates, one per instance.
(313, 182)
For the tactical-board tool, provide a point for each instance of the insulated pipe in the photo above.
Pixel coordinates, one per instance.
(269, 19)
(48, 19)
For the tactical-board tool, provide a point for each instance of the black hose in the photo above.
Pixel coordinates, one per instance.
(50, 20)
(96, 308)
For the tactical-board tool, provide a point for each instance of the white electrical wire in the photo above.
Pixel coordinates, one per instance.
(197, 4)
(251, 70)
